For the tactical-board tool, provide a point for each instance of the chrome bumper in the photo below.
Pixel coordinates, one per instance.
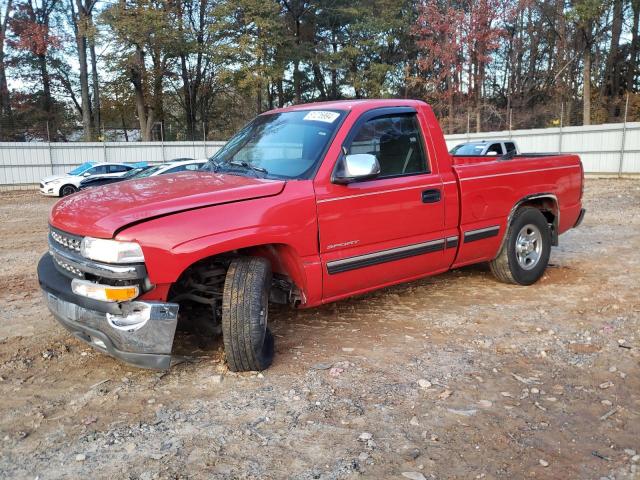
(142, 335)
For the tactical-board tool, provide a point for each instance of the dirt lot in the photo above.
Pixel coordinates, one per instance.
(456, 376)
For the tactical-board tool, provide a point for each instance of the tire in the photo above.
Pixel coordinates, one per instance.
(525, 252)
(248, 342)
(66, 190)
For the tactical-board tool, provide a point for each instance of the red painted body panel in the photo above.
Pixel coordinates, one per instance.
(304, 225)
(102, 211)
(489, 190)
(288, 220)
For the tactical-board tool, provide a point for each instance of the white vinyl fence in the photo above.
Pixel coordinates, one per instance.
(27, 163)
(610, 149)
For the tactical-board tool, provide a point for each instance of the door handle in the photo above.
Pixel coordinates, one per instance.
(431, 196)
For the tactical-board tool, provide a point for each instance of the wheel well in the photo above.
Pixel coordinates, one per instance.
(200, 286)
(548, 206)
(203, 281)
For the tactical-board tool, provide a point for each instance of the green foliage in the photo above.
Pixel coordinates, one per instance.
(189, 69)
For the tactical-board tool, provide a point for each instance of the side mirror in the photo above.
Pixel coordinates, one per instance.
(86, 174)
(356, 167)
(492, 154)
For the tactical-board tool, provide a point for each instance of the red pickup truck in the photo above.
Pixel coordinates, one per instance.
(305, 205)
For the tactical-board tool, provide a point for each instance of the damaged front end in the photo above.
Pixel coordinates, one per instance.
(138, 332)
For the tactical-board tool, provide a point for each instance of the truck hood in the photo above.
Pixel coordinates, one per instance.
(102, 211)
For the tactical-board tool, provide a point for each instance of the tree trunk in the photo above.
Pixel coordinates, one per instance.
(317, 77)
(259, 88)
(5, 99)
(156, 113)
(270, 94)
(84, 90)
(136, 75)
(297, 87)
(451, 94)
(586, 87)
(97, 120)
(561, 53)
(632, 68)
(451, 116)
(47, 101)
(334, 71)
(189, 111)
(610, 85)
(479, 84)
(124, 127)
(192, 78)
(40, 17)
(280, 88)
(79, 22)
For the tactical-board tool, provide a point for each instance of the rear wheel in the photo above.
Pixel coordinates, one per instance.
(67, 190)
(525, 252)
(248, 343)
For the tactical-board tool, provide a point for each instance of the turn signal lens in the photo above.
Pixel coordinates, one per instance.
(104, 293)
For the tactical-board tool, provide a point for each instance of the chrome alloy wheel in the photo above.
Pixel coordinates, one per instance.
(528, 246)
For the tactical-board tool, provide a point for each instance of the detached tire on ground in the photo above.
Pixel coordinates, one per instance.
(525, 252)
(248, 342)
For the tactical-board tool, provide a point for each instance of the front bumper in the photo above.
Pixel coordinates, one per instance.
(49, 190)
(137, 332)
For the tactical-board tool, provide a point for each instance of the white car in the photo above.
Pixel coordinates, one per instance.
(485, 147)
(173, 166)
(62, 185)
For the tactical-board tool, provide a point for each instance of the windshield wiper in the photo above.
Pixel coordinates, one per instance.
(248, 166)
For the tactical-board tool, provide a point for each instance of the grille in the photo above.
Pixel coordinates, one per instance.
(65, 240)
(68, 268)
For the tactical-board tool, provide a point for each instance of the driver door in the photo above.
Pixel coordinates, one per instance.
(388, 229)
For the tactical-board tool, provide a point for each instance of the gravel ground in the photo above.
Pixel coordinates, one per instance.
(455, 376)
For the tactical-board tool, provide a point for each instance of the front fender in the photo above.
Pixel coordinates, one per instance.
(287, 222)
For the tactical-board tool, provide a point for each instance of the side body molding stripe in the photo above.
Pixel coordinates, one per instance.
(481, 233)
(383, 256)
(451, 242)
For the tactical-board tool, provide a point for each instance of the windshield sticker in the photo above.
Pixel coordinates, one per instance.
(321, 116)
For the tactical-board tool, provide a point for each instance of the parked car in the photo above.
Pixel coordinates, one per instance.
(148, 171)
(486, 147)
(99, 180)
(174, 166)
(305, 205)
(63, 185)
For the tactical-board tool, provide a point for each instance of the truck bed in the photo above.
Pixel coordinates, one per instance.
(489, 188)
(473, 159)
